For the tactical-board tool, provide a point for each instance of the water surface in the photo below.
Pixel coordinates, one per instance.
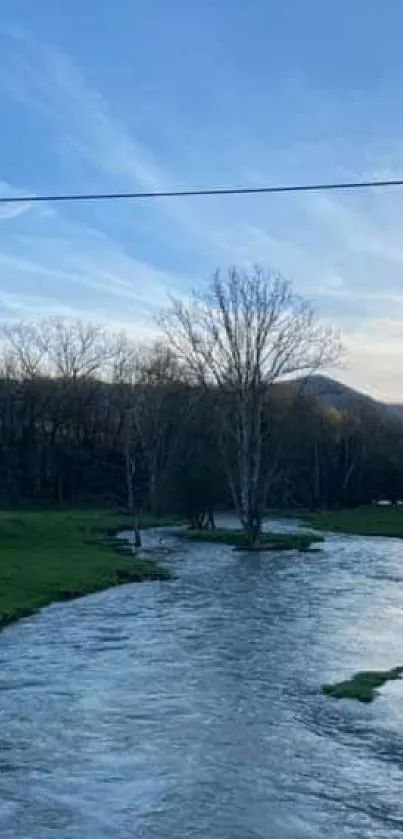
(192, 708)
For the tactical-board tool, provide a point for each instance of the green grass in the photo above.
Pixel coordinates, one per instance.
(363, 521)
(363, 686)
(268, 541)
(47, 556)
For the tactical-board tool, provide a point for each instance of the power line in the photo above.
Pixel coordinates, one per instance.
(184, 193)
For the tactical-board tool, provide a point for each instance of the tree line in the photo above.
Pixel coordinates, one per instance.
(215, 414)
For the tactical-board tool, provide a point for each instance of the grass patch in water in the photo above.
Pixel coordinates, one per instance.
(363, 686)
(50, 556)
(268, 541)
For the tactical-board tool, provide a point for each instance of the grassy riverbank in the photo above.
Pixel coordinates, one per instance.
(362, 521)
(268, 541)
(48, 556)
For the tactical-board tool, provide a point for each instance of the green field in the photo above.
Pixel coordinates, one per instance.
(47, 556)
(364, 521)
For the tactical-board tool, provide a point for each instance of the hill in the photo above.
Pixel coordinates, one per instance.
(339, 396)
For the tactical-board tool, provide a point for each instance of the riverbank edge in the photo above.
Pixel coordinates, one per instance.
(381, 522)
(142, 569)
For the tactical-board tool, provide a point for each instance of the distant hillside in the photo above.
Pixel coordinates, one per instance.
(396, 410)
(337, 395)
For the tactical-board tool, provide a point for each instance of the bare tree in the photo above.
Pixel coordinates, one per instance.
(158, 413)
(124, 360)
(241, 336)
(75, 349)
(24, 349)
(60, 347)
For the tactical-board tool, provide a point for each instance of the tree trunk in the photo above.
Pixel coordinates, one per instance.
(210, 520)
(253, 528)
(154, 506)
(130, 470)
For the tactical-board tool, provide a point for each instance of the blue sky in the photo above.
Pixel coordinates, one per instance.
(135, 95)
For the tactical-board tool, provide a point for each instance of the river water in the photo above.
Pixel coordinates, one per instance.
(192, 708)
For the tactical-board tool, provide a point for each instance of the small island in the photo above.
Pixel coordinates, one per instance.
(268, 541)
(363, 686)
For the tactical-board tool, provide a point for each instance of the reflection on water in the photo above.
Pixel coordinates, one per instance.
(192, 708)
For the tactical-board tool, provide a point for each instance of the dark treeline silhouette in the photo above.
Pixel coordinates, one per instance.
(74, 402)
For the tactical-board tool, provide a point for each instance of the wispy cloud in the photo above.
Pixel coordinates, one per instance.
(79, 260)
(81, 255)
(376, 350)
(12, 211)
(85, 127)
(343, 251)
(83, 124)
(80, 270)
(28, 307)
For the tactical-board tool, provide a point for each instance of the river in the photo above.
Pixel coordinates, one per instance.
(192, 708)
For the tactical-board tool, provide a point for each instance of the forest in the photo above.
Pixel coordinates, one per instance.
(79, 407)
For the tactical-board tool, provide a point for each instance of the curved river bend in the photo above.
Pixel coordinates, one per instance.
(192, 708)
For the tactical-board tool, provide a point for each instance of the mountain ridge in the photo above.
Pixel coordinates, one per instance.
(337, 395)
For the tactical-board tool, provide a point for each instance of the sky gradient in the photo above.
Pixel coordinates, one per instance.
(129, 95)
